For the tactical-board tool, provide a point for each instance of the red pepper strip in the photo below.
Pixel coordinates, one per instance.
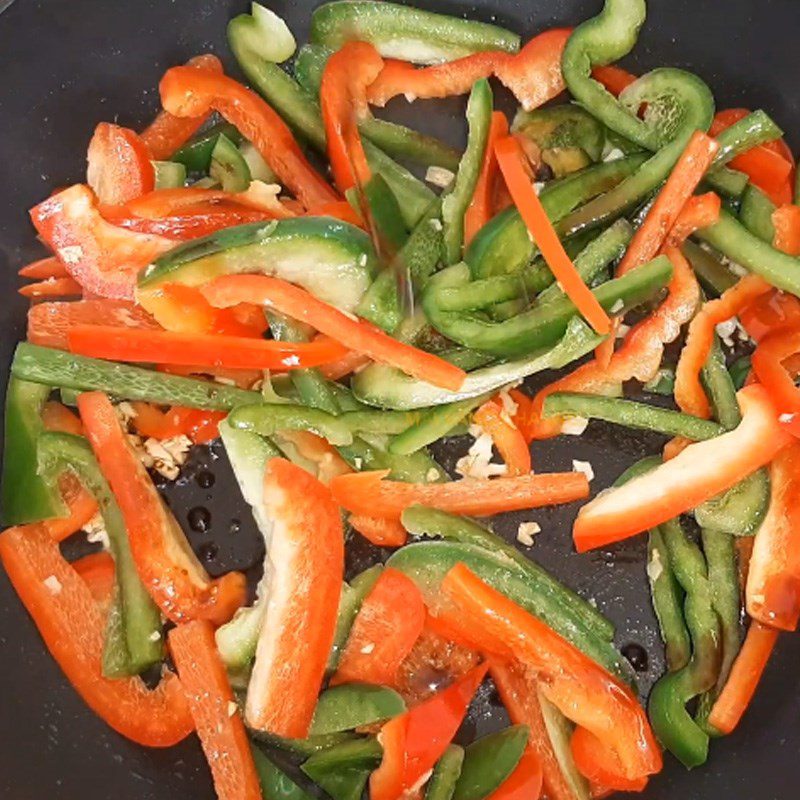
(169, 202)
(339, 210)
(769, 165)
(768, 312)
(700, 211)
(675, 446)
(175, 579)
(641, 353)
(49, 267)
(51, 287)
(57, 417)
(199, 426)
(169, 347)
(214, 711)
(167, 133)
(343, 100)
(415, 741)
(345, 366)
(773, 583)
(381, 531)
(358, 335)
(534, 74)
(368, 493)
(119, 166)
(82, 509)
(97, 570)
(104, 259)
(187, 92)
(519, 691)
(307, 552)
(73, 628)
(600, 765)
(769, 368)
(786, 221)
(507, 438)
(745, 675)
(481, 207)
(614, 78)
(524, 783)
(701, 471)
(689, 393)
(580, 688)
(511, 161)
(390, 620)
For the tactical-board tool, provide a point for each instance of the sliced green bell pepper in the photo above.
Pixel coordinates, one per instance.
(342, 771)
(228, 167)
(714, 276)
(489, 761)
(347, 707)
(169, 174)
(755, 213)
(196, 154)
(266, 419)
(442, 783)
(275, 783)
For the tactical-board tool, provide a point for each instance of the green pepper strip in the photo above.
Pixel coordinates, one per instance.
(26, 495)
(353, 595)
(275, 783)
(432, 523)
(353, 705)
(137, 644)
(544, 323)
(631, 414)
(302, 747)
(489, 761)
(565, 127)
(269, 418)
(672, 723)
(755, 213)
(372, 421)
(343, 770)
(711, 272)
(56, 368)
(196, 154)
(733, 240)
(443, 781)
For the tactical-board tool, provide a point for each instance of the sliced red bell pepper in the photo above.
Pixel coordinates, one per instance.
(339, 210)
(415, 741)
(175, 579)
(170, 347)
(689, 393)
(744, 678)
(388, 623)
(307, 555)
(49, 267)
(773, 582)
(102, 258)
(48, 323)
(786, 221)
(769, 312)
(600, 765)
(119, 166)
(199, 426)
(614, 78)
(213, 707)
(769, 367)
(481, 208)
(73, 628)
(82, 509)
(345, 365)
(52, 287)
(368, 493)
(700, 211)
(167, 133)
(343, 100)
(701, 471)
(519, 691)
(507, 438)
(381, 531)
(97, 571)
(580, 688)
(524, 783)
(187, 92)
(355, 334)
(512, 164)
(171, 202)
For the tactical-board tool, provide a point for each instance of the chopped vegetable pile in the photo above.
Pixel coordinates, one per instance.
(210, 279)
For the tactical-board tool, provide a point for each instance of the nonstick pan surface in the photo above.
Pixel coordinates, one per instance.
(68, 64)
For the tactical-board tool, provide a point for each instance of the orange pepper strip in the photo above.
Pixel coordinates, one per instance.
(345, 366)
(341, 210)
(524, 783)
(368, 493)
(172, 347)
(768, 312)
(700, 211)
(768, 365)
(73, 628)
(381, 531)
(343, 101)
(511, 161)
(213, 707)
(745, 675)
(699, 472)
(600, 765)
(481, 207)
(97, 570)
(52, 287)
(358, 335)
(508, 440)
(389, 622)
(614, 78)
(580, 688)
(49, 267)
(119, 166)
(167, 133)
(689, 393)
(188, 92)
(786, 221)
(174, 578)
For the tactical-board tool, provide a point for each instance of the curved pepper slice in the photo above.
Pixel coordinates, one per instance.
(213, 707)
(701, 471)
(187, 92)
(72, 626)
(44, 268)
(599, 765)
(581, 689)
(768, 365)
(52, 287)
(102, 258)
(368, 493)
(786, 221)
(385, 629)
(506, 436)
(307, 558)
(381, 531)
(119, 166)
(167, 133)
(358, 335)
(97, 570)
(175, 579)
